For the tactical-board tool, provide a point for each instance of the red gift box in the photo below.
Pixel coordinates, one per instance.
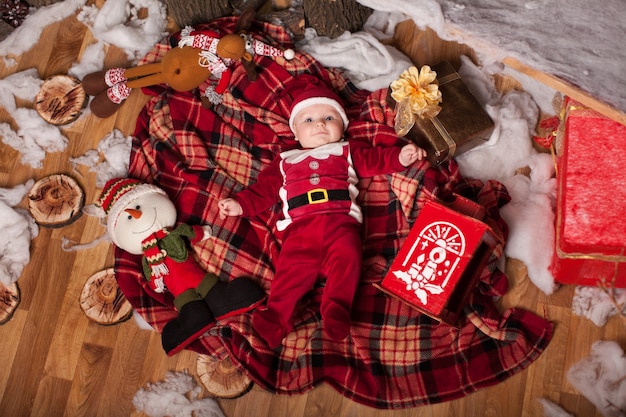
(591, 199)
(440, 262)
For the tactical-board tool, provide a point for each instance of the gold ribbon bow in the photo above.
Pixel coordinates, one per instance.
(417, 94)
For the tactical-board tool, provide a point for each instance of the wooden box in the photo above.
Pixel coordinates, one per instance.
(461, 125)
(590, 245)
(440, 262)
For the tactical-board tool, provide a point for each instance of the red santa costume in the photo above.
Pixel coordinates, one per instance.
(322, 228)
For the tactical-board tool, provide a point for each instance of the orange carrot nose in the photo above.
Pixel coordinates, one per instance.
(135, 213)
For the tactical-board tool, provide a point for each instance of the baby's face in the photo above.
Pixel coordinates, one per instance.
(317, 125)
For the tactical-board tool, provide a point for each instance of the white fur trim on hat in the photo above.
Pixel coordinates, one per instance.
(124, 200)
(318, 100)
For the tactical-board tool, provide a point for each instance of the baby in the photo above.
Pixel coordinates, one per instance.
(322, 222)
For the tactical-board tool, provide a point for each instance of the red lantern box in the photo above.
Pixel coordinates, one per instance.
(590, 247)
(440, 262)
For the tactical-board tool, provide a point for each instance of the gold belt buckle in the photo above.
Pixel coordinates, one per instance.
(309, 195)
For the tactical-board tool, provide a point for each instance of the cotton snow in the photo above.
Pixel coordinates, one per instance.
(117, 23)
(92, 60)
(109, 160)
(178, 395)
(551, 409)
(598, 304)
(601, 378)
(368, 63)
(18, 229)
(24, 37)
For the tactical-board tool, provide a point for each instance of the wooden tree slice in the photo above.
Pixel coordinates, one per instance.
(103, 301)
(221, 378)
(56, 200)
(60, 100)
(9, 300)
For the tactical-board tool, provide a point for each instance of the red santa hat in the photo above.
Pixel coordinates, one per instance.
(313, 92)
(119, 193)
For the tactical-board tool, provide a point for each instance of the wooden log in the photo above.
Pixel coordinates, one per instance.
(41, 3)
(290, 19)
(102, 301)
(333, 17)
(194, 12)
(9, 300)
(56, 200)
(425, 47)
(221, 378)
(60, 100)
(5, 30)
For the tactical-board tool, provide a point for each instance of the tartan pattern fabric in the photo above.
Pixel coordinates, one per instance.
(394, 357)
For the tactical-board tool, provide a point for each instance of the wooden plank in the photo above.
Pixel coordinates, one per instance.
(321, 402)
(544, 378)
(66, 47)
(69, 334)
(40, 53)
(282, 406)
(89, 383)
(126, 365)
(38, 331)
(52, 395)
(569, 90)
(8, 349)
(256, 400)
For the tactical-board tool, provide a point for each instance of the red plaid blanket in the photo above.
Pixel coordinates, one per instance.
(394, 357)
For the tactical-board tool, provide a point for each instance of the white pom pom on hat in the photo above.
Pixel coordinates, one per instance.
(289, 54)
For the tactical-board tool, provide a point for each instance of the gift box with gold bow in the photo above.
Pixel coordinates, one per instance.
(436, 110)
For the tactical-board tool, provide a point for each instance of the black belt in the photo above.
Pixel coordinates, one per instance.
(316, 196)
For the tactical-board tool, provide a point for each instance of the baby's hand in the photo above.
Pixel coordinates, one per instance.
(411, 153)
(229, 207)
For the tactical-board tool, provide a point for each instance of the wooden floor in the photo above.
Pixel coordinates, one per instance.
(55, 362)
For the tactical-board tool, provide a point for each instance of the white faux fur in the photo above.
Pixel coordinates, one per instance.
(601, 378)
(550, 409)
(19, 228)
(109, 160)
(176, 396)
(595, 304)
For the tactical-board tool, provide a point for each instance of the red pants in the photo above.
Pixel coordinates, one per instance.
(317, 246)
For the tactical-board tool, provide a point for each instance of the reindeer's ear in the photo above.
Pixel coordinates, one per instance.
(245, 20)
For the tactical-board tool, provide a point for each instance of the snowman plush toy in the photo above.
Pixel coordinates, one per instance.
(142, 220)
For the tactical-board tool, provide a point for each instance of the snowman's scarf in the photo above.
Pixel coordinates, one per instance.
(154, 255)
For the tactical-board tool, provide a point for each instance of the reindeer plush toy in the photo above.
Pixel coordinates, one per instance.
(199, 55)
